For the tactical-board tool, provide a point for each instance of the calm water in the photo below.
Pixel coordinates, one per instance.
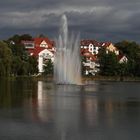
(41, 110)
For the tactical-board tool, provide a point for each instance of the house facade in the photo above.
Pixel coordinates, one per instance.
(90, 50)
(42, 48)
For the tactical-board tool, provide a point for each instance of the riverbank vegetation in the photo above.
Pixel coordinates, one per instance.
(15, 60)
(110, 66)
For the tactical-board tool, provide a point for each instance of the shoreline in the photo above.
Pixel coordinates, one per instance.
(84, 78)
(112, 78)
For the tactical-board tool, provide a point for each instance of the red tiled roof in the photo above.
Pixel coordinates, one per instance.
(38, 41)
(121, 56)
(37, 49)
(87, 42)
(84, 51)
(95, 43)
(89, 55)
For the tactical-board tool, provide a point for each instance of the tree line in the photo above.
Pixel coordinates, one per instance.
(110, 66)
(15, 60)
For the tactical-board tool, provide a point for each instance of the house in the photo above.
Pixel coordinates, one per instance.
(42, 48)
(91, 45)
(123, 59)
(90, 50)
(110, 47)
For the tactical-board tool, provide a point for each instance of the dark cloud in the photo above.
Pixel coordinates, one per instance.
(106, 20)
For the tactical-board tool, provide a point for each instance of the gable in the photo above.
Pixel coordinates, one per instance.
(111, 47)
(123, 59)
(44, 44)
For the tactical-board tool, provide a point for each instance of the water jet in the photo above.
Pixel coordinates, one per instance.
(67, 64)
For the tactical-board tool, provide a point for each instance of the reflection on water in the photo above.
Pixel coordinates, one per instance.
(41, 103)
(99, 110)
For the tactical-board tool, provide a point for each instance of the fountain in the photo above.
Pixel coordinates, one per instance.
(67, 65)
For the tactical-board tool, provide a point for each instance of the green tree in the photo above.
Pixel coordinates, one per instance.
(22, 63)
(16, 65)
(32, 65)
(130, 49)
(5, 59)
(18, 38)
(26, 37)
(48, 67)
(108, 63)
(83, 68)
(132, 52)
(123, 69)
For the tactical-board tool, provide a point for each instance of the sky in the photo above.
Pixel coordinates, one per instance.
(101, 20)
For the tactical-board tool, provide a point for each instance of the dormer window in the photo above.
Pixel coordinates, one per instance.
(91, 48)
(44, 44)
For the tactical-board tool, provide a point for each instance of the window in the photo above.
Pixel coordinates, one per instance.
(44, 44)
(29, 45)
(91, 48)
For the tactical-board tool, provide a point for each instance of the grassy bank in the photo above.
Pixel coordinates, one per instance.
(84, 78)
(111, 78)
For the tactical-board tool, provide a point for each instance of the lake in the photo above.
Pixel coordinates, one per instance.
(41, 110)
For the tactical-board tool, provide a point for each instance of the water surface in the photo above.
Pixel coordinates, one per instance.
(41, 110)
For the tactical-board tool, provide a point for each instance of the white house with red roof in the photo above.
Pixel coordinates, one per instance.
(122, 59)
(94, 46)
(90, 50)
(42, 48)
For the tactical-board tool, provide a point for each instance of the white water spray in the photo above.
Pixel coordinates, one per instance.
(67, 65)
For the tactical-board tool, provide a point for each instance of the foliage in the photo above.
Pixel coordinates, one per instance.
(132, 52)
(14, 59)
(48, 67)
(108, 63)
(33, 65)
(5, 59)
(18, 38)
(83, 68)
(130, 49)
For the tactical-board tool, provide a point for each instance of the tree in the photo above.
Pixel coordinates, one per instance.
(132, 52)
(108, 63)
(130, 49)
(5, 59)
(22, 63)
(16, 65)
(41, 36)
(33, 65)
(123, 69)
(83, 68)
(48, 67)
(26, 37)
(18, 38)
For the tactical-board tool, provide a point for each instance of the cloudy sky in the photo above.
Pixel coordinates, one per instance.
(103, 20)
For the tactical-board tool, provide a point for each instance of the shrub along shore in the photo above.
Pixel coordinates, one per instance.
(15, 61)
(49, 78)
(112, 78)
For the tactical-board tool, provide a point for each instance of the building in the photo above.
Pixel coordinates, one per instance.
(122, 59)
(90, 50)
(42, 48)
(94, 46)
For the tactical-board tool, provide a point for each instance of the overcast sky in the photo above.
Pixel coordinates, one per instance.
(102, 20)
